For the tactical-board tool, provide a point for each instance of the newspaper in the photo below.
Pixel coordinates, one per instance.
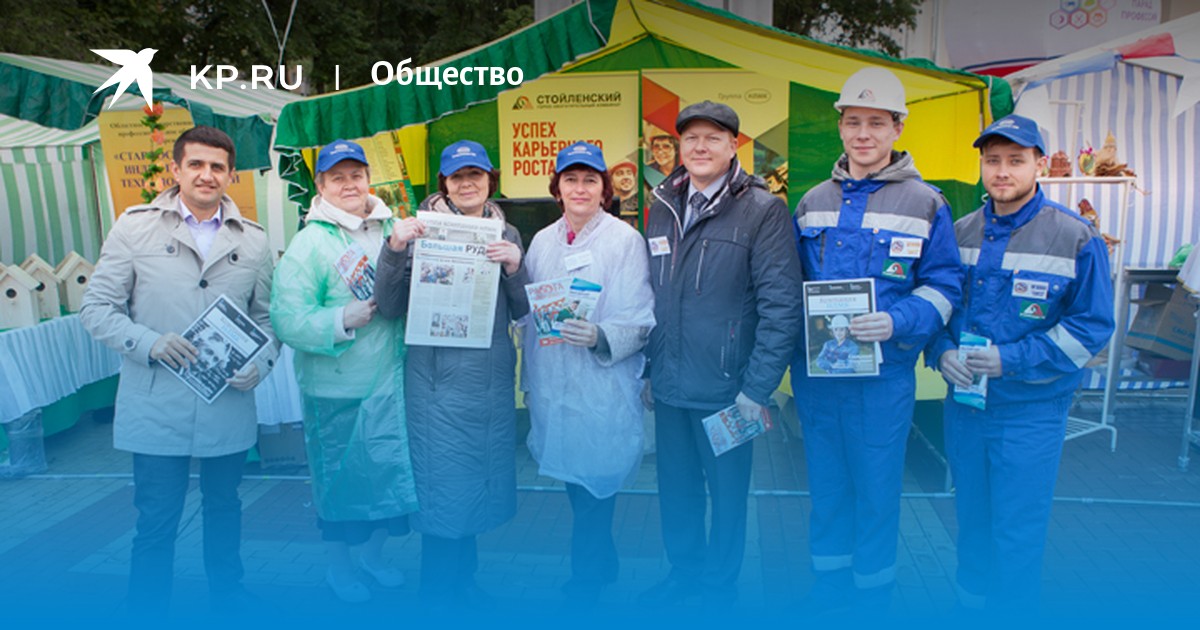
(830, 351)
(555, 301)
(355, 268)
(974, 395)
(727, 429)
(452, 300)
(226, 340)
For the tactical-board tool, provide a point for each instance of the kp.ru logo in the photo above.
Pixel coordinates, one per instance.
(134, 67)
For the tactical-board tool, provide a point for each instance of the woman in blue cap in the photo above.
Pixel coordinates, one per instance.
(584, 394)
(462, 419)
(350, 367)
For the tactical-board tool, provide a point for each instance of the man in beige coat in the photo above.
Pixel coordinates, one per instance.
(161, 266)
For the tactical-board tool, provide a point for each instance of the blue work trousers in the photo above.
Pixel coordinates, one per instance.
(855, 436)
(1005, 463)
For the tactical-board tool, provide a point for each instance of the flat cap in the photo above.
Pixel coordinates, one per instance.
(719, 114)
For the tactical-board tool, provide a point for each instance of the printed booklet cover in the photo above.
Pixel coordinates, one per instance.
(727, 429)
(555, 301)
(830, 351)
(226, 340)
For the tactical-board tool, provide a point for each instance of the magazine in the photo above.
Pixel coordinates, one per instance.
(226, 339)
(727, 429)
(355, 268)
(555, 301)
(829, 306)
(976, 394)
(452, 299)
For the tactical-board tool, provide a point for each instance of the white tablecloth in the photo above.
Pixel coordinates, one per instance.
(42, 364)
(48, 362)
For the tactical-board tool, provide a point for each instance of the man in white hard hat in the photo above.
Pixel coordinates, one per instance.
(875, 218)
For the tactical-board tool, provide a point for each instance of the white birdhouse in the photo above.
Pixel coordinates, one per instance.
(47, 288)
(73, 273)
(18, 299)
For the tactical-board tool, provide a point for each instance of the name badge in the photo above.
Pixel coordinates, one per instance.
(578, 261)
(905, 247)
(1031, 289)
(659, 246)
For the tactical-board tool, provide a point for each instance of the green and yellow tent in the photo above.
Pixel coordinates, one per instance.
(948, 108)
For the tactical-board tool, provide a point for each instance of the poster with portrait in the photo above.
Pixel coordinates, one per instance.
(226, 339)
(761, 103)
(542, 117)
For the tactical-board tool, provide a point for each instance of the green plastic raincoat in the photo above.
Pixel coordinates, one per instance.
(352, 383)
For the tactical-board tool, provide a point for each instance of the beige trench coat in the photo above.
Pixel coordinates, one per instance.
(151, 280)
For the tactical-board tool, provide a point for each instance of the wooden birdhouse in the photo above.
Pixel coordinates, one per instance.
(18, 298)
(73, 273)
(47, 288)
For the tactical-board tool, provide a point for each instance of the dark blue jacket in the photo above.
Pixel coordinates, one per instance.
(727, 296)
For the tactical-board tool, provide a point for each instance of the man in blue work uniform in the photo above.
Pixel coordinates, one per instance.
(876, 219)
(1037, 285)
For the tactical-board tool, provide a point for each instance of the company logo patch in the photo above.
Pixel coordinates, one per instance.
(1032, 310)
(866, 96)
(895, 269)
(135, 67)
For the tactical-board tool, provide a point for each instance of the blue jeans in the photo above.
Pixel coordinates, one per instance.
(160, 486)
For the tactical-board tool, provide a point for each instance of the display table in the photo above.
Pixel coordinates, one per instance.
(58, 368)
(42, 364)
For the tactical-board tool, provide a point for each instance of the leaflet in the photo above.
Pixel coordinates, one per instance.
(974, 395)
(829, 306)
(226, 339)
(727, 429)
(355, 268)
(556, 301)
(452, 297)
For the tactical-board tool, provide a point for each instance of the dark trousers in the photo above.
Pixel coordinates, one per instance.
(594, 560)
(685, 464)
(160, 486)
(448, 567)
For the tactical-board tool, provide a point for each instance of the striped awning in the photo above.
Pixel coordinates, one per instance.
(62, 94)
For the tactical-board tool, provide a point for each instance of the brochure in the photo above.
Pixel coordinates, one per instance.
(727, 429)
(555, 301)
(976, 394)
(829, 306)
(355, 268)
(226, 340)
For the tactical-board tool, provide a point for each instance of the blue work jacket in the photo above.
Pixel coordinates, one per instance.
(1037, 284)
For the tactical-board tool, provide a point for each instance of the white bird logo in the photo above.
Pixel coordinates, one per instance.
(134, 67)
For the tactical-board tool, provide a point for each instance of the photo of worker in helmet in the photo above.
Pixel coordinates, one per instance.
(839, 354)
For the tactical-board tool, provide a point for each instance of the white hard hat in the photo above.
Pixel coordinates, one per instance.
(874, 87)
(839, 321)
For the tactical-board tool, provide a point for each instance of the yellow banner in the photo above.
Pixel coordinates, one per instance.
(539, 119)
(761, 103)
(125, 143)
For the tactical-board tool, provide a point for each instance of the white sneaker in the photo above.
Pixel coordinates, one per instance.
(353, 592)
(387, 577)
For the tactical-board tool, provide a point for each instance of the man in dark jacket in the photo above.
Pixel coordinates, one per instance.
(726, 281)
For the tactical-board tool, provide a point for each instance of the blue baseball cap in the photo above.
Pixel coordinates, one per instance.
(337, 151)
(1021, 130)
(583, 153)
(462, 154)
